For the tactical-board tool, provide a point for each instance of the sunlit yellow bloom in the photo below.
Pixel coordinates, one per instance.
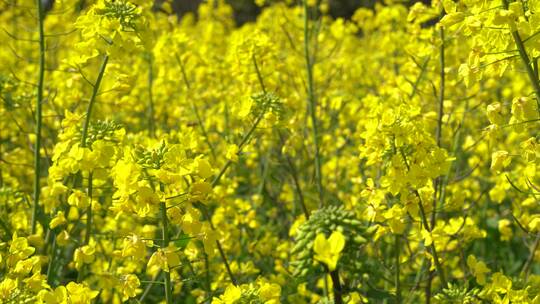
(328, 251)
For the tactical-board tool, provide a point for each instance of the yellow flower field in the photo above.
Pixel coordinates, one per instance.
(386, 158)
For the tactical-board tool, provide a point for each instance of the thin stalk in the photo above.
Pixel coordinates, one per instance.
(336, 286)
(427, 288)
(84, 136)
(312, 104)
(397, 282)
(437, 185)
(264, 173)
(95, 91)
(6, 229)
(259, 74)
(244, 141)
(247, 136)
(50, 267)
(151, 122)
(526, 268)
(39, 114)
(164, 245)
(220, 248)
(427, 226)
(289, 161)
(437, 182)
(432, 246)
(297, 186)
(535, 67)
(194, 106)
(526, 61)
(417, 82)
(207, 275)
(1, 175)
(217, 179)
(440, 113)
(417, 279)
(325, 290)
(149, 287)
(89, 211)
(226, 263)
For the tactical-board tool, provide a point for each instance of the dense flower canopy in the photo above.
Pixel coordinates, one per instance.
(389, 158)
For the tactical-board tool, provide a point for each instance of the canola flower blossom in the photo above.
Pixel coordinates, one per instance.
(389, 157)
(328, 250)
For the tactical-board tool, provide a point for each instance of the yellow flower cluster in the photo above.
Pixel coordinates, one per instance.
(388, 158)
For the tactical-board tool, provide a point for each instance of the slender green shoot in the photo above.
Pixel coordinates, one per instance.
(95, 90)
(312, 103)
(39, 114)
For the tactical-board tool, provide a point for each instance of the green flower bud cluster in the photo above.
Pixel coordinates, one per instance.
(10, 197)
(455, 294)
(267, 102)
(8, 193)
(8, 87)
(325, 300)
(20, 296)
(125, 12)
(151, 159)
(250, 296)
(102, 130)
(326, 220)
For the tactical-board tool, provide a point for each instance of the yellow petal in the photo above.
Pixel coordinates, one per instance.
(320, 246)
(337, 242)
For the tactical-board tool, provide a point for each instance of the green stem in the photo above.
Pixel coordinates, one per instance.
(417, 82)
(535, 67)
(440, 114)
(207, 275)
(149, 287)
(151, 122)
(39, 114)
(325, 290)
(6, 229)
(397, 282)
(164, 245)
(84, 136)
(432, 246)
(289, 161)
(50, 267)
(1, 172)
(247, 136)
(437, 182)
(312, 104)
(526, 268)
(220, 248)
(259, 74)
(89, 211)
(425, 223)
(217, 179)
(95, 91)
(194, 107)
(244, 141)
(297, 187)
(226, 263)
(417, 280)
(336, 286)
